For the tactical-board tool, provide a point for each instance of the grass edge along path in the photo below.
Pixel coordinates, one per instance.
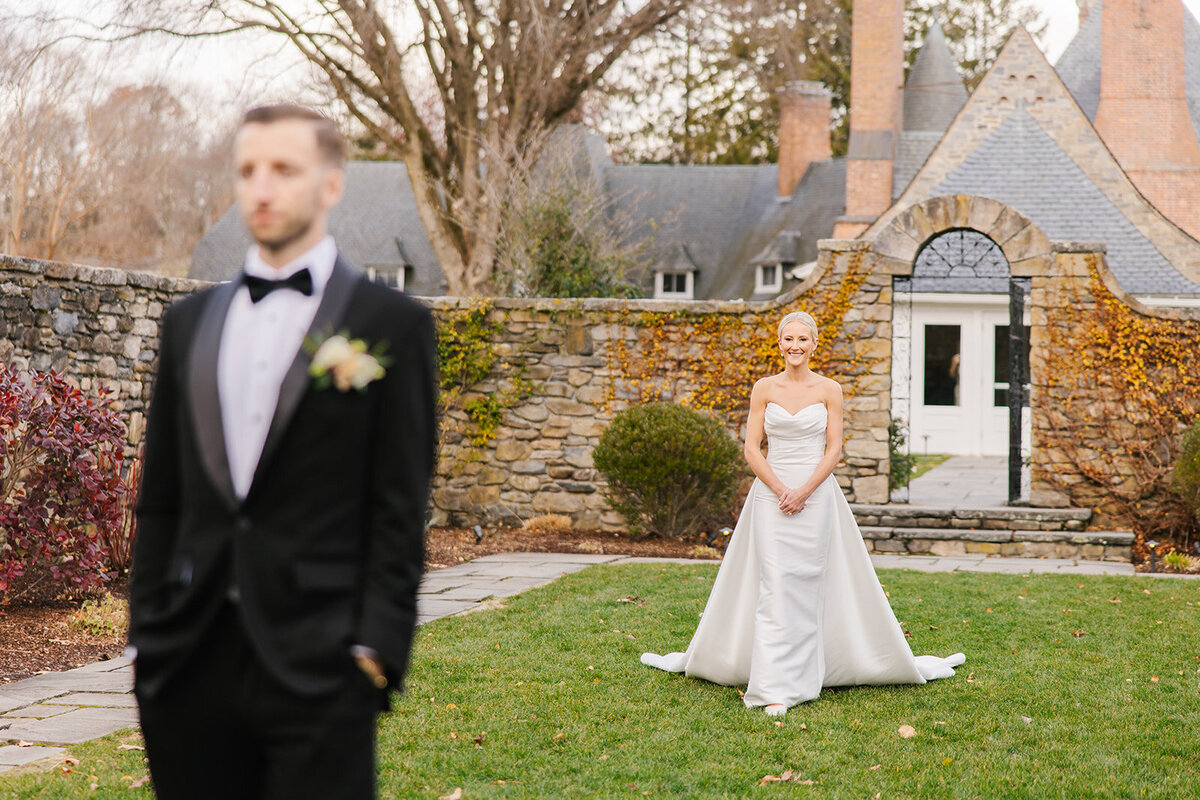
(1074, 686)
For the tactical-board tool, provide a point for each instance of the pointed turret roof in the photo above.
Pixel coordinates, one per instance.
(933, 96)
(934, 92)
(1022, 140)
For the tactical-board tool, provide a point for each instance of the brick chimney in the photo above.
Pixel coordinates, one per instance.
(876, 111)
(1143, 115)
(804, 108)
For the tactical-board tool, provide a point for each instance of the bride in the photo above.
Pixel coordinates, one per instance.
(796, 604)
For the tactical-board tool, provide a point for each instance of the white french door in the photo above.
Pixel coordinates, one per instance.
(958, 384)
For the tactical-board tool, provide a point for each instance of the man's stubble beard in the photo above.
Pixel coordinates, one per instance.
(293, 234)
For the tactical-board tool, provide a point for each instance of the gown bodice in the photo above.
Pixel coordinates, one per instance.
(794, 440)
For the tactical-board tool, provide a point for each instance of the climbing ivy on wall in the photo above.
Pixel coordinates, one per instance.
(467, 356)
(710, 360)
(1120, 388)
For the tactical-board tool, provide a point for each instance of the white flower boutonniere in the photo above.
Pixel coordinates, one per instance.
(346, 363)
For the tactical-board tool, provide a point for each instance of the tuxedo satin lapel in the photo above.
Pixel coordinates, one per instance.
(203, 395)
(330, 313)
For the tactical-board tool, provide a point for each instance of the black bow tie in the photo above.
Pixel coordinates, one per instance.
(300, 281)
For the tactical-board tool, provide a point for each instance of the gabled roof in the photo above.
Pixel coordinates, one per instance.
(1022, 140)
(1079, 64)
(933, 96)
(375, 225)
(1043, 183)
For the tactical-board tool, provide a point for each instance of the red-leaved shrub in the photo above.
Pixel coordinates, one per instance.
(61, 493)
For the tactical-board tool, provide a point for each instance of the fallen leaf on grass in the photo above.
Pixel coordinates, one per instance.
(787, 776)
(1077, 633)
(970, 677)
(453, 735)
(632, 598)
(1026, 720)
(1154, 679)
(1114, 600)
(907, 731)
(877, 766)
(947, 761)
(480, 739)
(140, 782)
(455, 795)
(130, 747)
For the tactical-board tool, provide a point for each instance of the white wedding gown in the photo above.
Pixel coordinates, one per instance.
(796, 604)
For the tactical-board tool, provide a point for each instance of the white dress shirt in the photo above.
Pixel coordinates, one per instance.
(258, 344)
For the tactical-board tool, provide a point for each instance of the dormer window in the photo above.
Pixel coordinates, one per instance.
(673, 285)
(768, 278)
(395, 277)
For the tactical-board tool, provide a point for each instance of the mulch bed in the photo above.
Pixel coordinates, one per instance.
(35, 635)
(37, 638)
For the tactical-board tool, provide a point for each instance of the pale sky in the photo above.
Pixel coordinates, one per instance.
(222, 65)
(1063, 18)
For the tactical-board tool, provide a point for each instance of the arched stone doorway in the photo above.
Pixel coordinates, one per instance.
(960, 363)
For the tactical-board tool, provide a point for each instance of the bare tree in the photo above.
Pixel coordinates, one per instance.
(504, 70)
(48, 148)
(121, 176)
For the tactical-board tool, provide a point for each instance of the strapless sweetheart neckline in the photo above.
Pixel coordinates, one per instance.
(797, 413)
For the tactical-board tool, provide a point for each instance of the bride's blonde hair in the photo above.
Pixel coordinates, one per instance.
(799, 316)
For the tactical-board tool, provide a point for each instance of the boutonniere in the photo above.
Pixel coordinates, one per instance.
(345, 363)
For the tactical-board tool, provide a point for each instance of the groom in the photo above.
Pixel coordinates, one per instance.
(281, 515)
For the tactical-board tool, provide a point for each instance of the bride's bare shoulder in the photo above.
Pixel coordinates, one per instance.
(828, 386)
(765, 384)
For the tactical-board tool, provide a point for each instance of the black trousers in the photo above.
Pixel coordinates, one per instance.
(223, 728)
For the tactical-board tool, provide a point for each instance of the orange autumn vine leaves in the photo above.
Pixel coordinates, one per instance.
(709, 361)
(1121, 389)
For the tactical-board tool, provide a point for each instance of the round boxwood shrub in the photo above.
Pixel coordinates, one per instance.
(670, 470)
(1186, 479)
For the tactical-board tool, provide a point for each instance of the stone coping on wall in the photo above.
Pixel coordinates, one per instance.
(100, 276)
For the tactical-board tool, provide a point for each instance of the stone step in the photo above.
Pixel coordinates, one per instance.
(1012, 518)
(1088, 545)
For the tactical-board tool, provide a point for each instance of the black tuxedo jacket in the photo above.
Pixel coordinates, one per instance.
(327, 548)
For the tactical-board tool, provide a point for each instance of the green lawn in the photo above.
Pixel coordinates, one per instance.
(925, 463)
(1073, 687)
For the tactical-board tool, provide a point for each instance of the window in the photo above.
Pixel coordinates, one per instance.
(674, 286)
(943, 360)
(769, 278)
(389, 276)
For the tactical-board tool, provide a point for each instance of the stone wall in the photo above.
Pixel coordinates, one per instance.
(584, 360)
(565, 367)
(97, 325)
(1116, 383)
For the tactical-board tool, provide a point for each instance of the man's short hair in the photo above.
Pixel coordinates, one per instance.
(330, 141)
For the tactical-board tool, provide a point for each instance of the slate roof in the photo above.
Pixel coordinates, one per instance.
(719, 217)
(804, 218)
(375, 225)
(1079, 64)
(933, 96)
(1021, 165)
